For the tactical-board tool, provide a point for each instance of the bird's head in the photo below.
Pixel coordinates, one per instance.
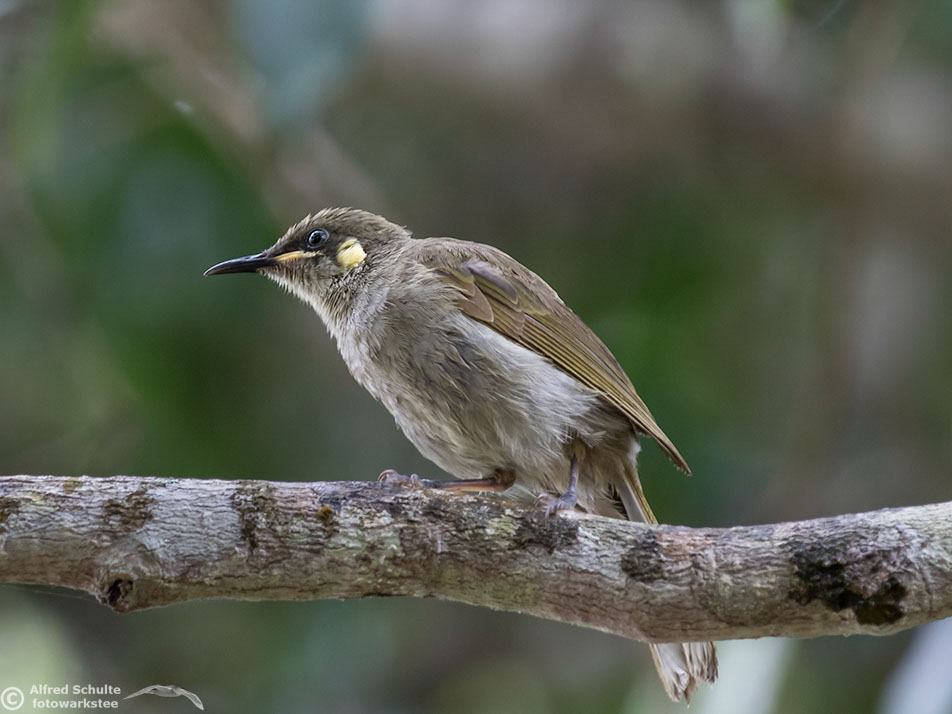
(323, 254)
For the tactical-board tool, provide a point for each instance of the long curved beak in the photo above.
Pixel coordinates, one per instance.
(247, 264)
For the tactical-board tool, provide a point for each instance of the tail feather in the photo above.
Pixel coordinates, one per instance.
(680, 664)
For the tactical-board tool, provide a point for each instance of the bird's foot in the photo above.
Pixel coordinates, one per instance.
(553, 505)
(390, 477)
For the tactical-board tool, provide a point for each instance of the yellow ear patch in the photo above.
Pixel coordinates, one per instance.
(350, 254)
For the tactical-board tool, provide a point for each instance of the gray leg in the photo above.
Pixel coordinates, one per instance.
(499, 481)
(565, 502)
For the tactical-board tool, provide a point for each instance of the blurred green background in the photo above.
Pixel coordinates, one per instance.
(749, 201)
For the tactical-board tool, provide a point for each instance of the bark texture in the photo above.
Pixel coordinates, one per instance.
(137, 542)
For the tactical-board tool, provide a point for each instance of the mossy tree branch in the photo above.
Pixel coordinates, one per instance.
(137, 542)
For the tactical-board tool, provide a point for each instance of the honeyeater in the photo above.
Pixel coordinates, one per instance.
(485, 370)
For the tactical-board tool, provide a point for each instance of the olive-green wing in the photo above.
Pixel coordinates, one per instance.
(521, 306)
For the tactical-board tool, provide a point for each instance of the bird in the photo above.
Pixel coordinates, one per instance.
(486, 371)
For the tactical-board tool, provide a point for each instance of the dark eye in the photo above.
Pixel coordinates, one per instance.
(316, 238)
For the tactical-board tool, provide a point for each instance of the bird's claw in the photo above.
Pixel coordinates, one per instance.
(390, 477)
(553, 505)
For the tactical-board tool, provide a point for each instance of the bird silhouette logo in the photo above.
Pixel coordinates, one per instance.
(169, 690)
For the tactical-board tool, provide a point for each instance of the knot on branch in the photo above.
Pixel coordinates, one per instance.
(116, 592)
(870, 584)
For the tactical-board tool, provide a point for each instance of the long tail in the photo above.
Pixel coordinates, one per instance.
(680, 664)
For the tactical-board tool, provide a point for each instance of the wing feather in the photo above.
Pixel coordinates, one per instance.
(521, 306)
